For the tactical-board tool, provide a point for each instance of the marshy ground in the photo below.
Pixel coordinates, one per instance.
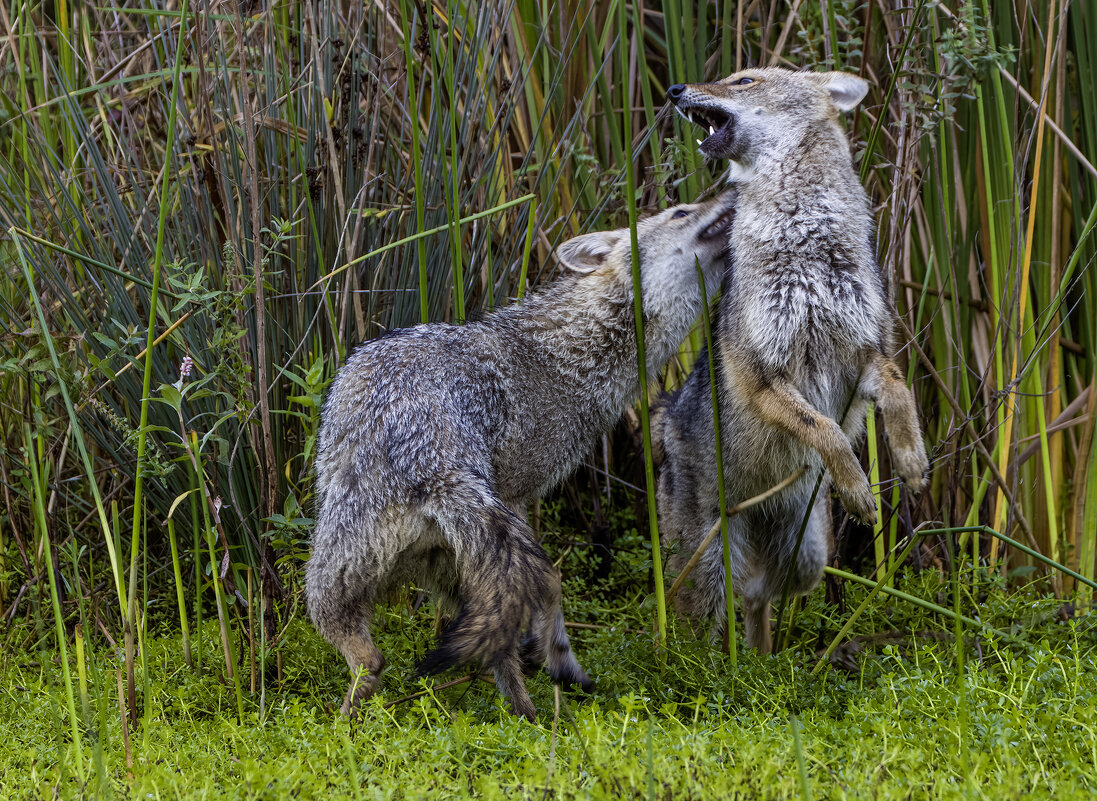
(889, 717)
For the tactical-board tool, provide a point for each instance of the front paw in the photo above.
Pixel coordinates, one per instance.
(856, 496)
(911, 465)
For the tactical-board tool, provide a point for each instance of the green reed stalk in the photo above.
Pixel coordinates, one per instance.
(880, 584)
(643, 78)
(680, 71)
(142, 639)
(726, 62)
(99, 764)
(25, 40)
(196, 555)
(531, 226)
(85, 259)
(729, 594)
(999, 170)
(880, 547)
(77, 431)
(618, 145)
(66, 51)
(927, 605)
(1088, 545)
(215, 578)
(958, 639)
(874, 134)
(150, 336)
(58, 618)
(179, 592)
(423, 234)
(1039, 557)
(85, 664)
(223, 620)
(638, 312)
(947, 532)
(454, 168)
(801, 763)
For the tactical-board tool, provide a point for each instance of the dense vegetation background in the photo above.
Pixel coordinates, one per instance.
(204, 206)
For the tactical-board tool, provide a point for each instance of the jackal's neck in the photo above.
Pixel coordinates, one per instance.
(583, 333)
(811, 162)
(574, 327)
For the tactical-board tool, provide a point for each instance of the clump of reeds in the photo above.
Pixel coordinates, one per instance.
(254, 189)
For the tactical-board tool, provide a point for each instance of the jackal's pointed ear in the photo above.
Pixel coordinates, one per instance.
(586, 253)
(846, 90)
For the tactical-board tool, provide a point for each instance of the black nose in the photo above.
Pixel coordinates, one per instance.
(674, 93)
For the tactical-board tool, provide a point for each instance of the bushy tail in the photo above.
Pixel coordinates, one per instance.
(506, 582)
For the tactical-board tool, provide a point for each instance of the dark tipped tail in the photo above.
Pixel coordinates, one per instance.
(506, 583)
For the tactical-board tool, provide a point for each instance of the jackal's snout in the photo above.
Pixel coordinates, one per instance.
(718, 121)
(720, 227)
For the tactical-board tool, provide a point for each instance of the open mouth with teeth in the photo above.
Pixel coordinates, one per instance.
(718, 227)
(719, 124)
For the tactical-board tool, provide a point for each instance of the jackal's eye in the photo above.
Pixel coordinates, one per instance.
(742, 81)
(679, 214)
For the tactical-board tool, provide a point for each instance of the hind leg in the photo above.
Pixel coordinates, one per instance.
(801, 578)
(509, 680)
(344, 622)
(756, 617)
(548, 644)
(763, 581)
(366, 663)
(353, 557)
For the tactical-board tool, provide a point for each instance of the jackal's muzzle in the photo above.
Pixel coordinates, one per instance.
(720, 227)
(720, 123)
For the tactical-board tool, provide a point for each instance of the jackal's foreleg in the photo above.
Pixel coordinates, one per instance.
(778, 403)
(883, 380)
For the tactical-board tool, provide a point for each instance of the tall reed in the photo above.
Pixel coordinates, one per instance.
(255, 193)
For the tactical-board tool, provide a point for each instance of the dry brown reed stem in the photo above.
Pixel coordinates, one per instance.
(421, 693)
(739, 507)
(268, 484)
(125, 724)
(1067, 418)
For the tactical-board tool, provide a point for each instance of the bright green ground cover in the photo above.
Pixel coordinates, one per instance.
(1023, 725)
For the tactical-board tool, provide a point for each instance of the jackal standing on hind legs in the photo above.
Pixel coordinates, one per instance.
(434, 439)
(802, 337)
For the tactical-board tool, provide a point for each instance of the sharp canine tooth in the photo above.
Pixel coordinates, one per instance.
(711, 130)
(698, 142)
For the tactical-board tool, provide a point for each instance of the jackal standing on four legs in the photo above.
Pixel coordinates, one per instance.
(434, 439)
(803, 338)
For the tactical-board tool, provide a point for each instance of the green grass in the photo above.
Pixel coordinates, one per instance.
(419, 165)
(888, 726)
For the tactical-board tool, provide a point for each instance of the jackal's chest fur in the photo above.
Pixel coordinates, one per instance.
(807, 295)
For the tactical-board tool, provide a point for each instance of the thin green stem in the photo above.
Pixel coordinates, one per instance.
(638, 313)
(721, 487)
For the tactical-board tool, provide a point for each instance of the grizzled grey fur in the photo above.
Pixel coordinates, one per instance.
(803, 341)
(435, 438)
